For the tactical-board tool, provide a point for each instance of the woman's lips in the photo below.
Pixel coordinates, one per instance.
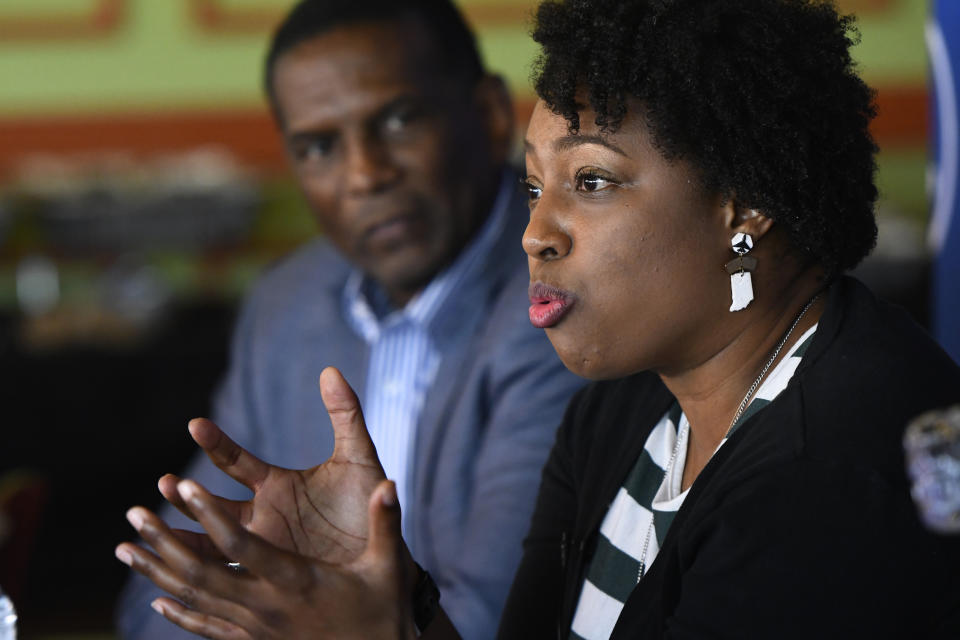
(548, 305)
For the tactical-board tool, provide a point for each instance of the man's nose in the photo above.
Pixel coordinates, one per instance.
(370, 167)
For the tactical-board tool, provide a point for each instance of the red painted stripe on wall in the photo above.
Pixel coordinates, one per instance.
(249, 134)
(102, 19)
(903, 117)
(902, 122)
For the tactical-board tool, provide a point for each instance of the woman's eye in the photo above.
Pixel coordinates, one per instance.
(591, 182)
(533, 191)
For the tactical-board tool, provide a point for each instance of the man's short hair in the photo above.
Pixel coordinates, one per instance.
(451, 38)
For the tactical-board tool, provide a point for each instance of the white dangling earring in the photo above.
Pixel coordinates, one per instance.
(741, 285)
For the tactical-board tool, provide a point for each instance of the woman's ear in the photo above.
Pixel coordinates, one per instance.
(740, 219)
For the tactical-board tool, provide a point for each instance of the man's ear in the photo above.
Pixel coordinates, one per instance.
(740, 219)
(496, 110)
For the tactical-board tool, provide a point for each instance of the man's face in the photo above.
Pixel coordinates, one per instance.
(392, 154)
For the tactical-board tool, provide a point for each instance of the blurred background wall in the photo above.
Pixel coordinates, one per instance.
(142, 188)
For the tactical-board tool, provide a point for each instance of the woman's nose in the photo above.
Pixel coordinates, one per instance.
(544, 239)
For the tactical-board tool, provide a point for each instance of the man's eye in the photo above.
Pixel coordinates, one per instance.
(396, 122)
(399, 120)
(591, 182)
(312, 150)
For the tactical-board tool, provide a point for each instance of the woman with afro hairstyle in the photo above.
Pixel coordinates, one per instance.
(700, 177)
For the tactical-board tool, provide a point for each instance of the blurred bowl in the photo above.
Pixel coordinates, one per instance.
(107, 221)
(116, 202)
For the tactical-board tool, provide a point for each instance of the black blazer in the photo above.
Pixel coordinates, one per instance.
(801, 526)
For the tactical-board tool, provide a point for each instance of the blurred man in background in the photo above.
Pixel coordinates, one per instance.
(399, 140)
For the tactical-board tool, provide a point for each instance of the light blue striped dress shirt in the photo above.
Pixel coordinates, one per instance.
(405, 345)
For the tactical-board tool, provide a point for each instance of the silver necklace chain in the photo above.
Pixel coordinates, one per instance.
(743, 405)
(650, 527)
(763, 372)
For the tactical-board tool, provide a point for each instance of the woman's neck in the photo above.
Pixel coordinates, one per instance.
(711, 392)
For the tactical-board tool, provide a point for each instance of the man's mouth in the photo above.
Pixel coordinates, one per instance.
(394, 230)
(548, 305)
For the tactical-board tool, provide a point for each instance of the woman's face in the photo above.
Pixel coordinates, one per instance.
(626, 251)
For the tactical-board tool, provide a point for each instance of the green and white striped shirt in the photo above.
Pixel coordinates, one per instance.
(615, 568)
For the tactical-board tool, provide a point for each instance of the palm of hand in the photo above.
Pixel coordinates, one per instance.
(338, 513)
(320, 513)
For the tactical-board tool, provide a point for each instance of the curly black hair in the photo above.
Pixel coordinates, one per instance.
(761, 96)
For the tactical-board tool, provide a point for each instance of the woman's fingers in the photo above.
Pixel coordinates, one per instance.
(199, 623)
(199, 582)
(231, 458)
(385, 541)
(281, 590)
(167, 484)
(263, 559)
(200, 543)
(351, 439)
(385, 551)
(157, 571)
(168, 489)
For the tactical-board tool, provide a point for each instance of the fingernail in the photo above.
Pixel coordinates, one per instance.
(124, 556)
(135, 518)
(389, 495)
(156, 606)
(187, 490)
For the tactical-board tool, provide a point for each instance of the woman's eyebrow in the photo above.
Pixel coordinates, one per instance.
(570, 141)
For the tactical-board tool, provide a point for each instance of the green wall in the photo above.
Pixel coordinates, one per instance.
(160, 57)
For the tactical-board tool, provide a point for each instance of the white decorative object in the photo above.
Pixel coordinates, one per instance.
(742, 243)
(741, 286)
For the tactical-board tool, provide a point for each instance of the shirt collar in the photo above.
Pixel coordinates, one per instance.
(368, 310)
